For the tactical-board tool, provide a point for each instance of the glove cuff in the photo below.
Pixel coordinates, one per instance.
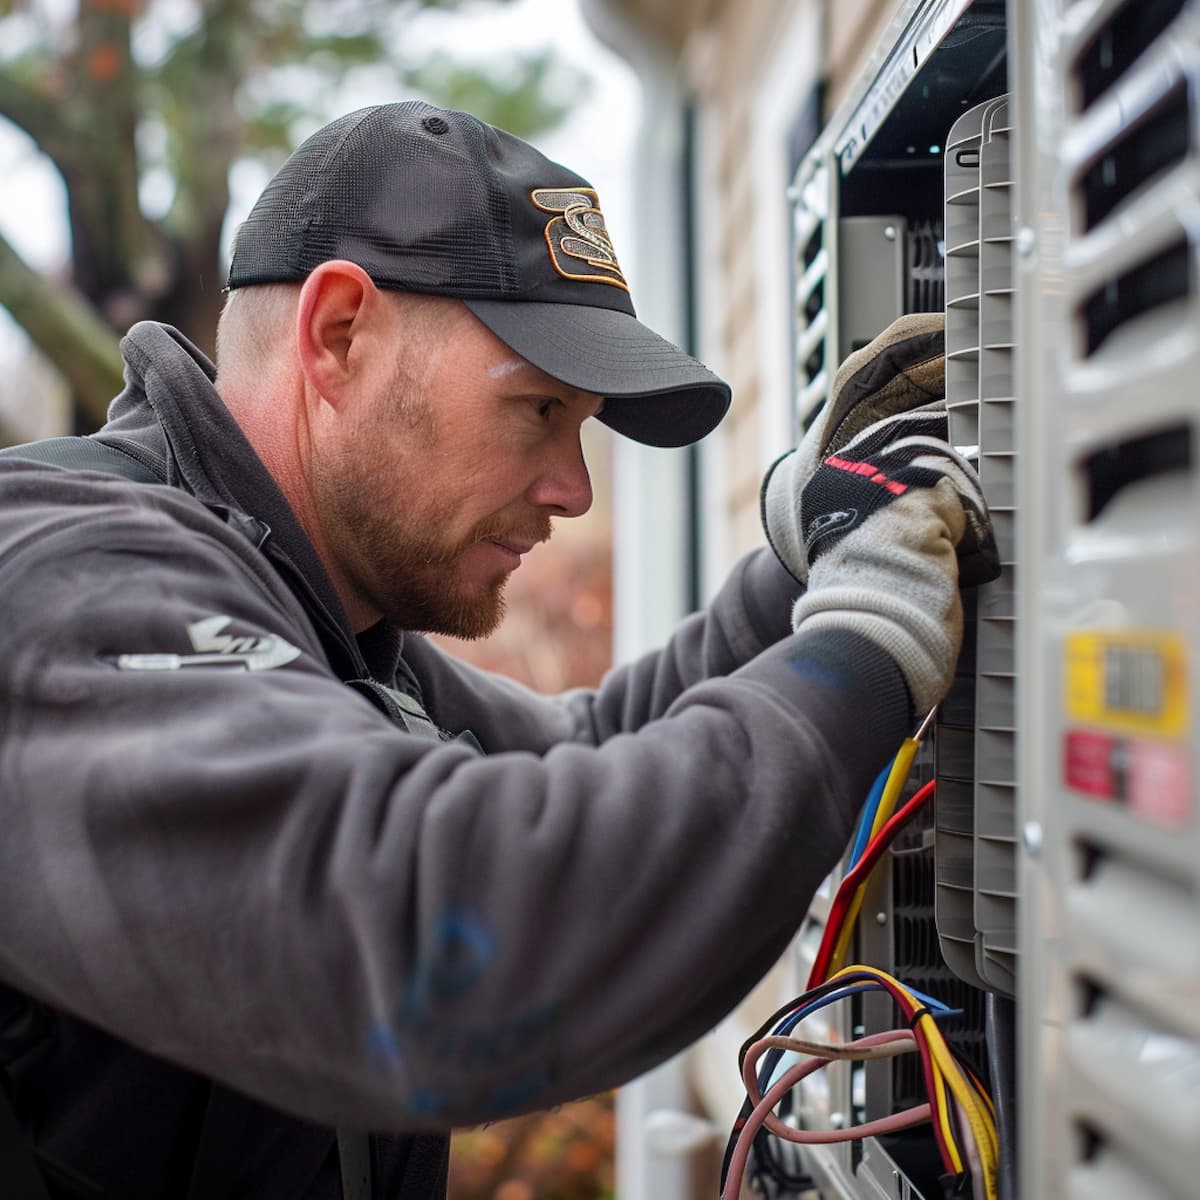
(778, 511)
(924, 646)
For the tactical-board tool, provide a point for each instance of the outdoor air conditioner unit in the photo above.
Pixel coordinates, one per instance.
(1032, 170)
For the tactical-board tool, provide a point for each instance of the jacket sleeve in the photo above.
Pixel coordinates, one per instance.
(751, 612)
(250, 873)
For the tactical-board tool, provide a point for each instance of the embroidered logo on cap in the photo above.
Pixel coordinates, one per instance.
(580, 247)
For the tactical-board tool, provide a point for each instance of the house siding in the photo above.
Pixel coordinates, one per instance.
(724, 63)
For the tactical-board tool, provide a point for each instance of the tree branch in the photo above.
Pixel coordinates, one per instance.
(24, 105)
(67, 330)
(35, 111)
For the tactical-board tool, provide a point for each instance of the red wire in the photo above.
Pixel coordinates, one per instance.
(906, 1006)
(871, 854)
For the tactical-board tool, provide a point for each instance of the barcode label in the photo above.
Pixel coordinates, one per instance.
(1132, 681)
(1134, 678)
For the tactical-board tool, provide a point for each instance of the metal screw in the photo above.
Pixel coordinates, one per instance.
(881, 918)
(1026, 241)
(1031, 835)
(889, 232)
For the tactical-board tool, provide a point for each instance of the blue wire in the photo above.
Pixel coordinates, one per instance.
(794, 1018)
(930, 1002)
(869, 811)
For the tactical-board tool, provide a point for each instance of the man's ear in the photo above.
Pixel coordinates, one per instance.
(334, 301)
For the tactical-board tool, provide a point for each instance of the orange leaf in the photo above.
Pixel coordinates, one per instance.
(103, 62)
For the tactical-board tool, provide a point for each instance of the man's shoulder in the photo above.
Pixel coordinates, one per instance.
(65, 518)
(73, 541)
(44, 496)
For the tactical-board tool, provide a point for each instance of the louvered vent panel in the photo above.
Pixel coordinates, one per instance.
(976, 804)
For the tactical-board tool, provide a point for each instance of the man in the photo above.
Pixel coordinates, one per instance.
(248, 912)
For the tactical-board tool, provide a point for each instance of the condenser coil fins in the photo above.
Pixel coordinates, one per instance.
(927, 270)
(976, 737)
(813, 286)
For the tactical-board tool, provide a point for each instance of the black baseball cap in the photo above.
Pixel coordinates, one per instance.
(430, 200)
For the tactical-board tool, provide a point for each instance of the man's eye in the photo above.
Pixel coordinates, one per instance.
(546, 406)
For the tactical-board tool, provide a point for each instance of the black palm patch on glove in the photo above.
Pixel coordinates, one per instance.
(848, 489)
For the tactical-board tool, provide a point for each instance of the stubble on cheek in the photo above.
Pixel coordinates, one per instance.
(398, 502)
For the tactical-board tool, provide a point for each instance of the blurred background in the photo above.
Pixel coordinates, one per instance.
(134, 137)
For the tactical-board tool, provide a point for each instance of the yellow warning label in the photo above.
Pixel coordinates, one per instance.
(1131, 681)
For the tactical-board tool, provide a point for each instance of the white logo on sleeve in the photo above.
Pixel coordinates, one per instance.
(216, 649)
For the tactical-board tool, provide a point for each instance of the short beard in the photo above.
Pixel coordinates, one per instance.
(421, 595)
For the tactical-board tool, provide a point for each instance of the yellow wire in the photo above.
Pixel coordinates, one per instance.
(944, 1069)
(947, 1070)
(895, 784)
(887, 803)
(982, 1127)
(937, 1101)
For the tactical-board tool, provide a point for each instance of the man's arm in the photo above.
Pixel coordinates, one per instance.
(751, 612)
(251, 873)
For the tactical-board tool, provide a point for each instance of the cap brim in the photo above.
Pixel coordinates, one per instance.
(653, 391)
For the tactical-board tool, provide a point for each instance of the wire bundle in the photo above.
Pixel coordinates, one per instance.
(877, 830)
(959, 1107)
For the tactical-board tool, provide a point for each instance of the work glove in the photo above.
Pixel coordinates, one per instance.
(899, 376)
(889, 528)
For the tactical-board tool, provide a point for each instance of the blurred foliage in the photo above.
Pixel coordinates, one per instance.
(538, 94)
(563, 1155)
(145, 106)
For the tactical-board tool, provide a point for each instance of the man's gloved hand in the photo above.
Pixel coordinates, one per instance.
(899, 378)
(886, 528)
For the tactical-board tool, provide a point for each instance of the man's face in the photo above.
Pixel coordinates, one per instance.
(450, 472)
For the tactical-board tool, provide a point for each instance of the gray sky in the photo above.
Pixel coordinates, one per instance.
(596, 140)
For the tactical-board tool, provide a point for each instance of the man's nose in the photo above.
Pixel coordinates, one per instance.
(564, 485)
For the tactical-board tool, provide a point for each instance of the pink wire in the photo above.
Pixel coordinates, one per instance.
(921, 1112)
(759, 1048)
(763, 1111)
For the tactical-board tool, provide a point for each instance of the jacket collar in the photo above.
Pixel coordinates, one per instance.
(171, 411)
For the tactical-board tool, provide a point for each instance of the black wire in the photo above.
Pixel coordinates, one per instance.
(782, 1011)
(742, 1117)
(768, 1154)
(1000, 1023)
(917, 1015)
(799, 1002)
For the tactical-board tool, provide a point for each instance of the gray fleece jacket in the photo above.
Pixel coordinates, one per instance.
(251, 876)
